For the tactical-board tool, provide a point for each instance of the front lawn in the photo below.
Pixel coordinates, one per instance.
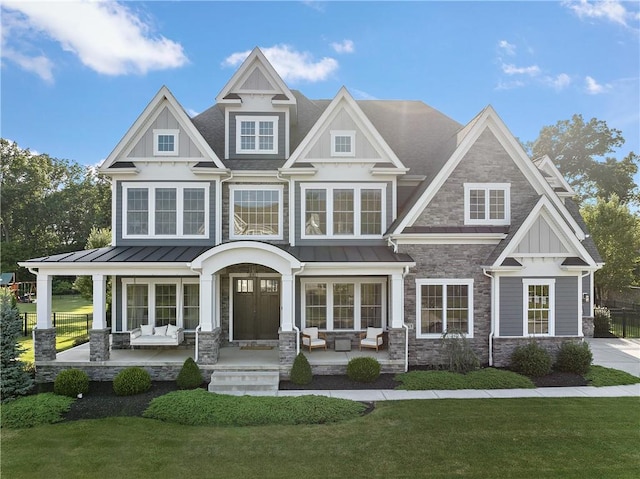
(519, 438)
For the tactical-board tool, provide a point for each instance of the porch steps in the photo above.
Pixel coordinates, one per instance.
(240, 381)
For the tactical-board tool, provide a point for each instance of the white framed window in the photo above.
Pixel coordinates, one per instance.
(343, 143)
(257, 134)
(165, 210)
(487, 204)
(444, 305)
(343, 210)
(161, 301)
(343, 304)
(255, 210)
(539, 306)
(166, 142)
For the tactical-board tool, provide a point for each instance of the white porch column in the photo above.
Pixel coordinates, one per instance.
(397, 298)
(207, 302)
(286, 303)
(99, 302)
(43, 304)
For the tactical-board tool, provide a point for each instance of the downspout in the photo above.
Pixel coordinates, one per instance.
(393, 244)
(198, 328)
(293, 323)
(404, 325)
(581, 332)
(493, 312)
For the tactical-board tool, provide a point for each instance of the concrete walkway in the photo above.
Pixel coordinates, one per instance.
(617, 353)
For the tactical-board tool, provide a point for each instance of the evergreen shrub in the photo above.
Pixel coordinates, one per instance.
(301, 370)
(363, 369)
(531, 360)
(71, 382)
(574, 357)
(131, 381)
(189, 376)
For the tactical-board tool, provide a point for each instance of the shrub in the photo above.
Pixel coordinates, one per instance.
(363, 370)
(34, 410)
(131, 381)
(71, 382)
(487, 378)
(531, 360)
(301, 370)
(189, 376)
(574, 357)
(601, 322)
(201, 408)
(459, 356)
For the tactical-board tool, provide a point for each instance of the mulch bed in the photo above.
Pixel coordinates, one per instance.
(101, 401)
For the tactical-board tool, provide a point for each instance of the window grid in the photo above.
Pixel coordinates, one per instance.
(248, 135)
(166, 211)
(487, 203)
(166, 304)
(137, 305)
(370, 212)
(343, 305)
(316, 305)
(458, 308)
(342, 144)
(538, 309)
(370, 305)
(445, 306)
(257, 135)
(191, 306)
(316, 212)
(496, 204)
(432, 309)
(166, 143)
(137, 211)
(343, 212)
(194, 208)
(256, 212)
(476, 205)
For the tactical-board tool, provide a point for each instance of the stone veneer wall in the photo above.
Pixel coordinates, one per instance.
(46, 373)
(208, 346)
(503, 347)
(99, 344)
(120, 340)
(588, 326)
(287, 350)
(44, 347)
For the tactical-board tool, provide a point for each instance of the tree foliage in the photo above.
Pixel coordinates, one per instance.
(98, 238)
(48, 205)
(579, 149)
(616, 232)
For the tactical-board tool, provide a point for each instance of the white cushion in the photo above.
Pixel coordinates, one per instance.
(373, 332)
(314, 342)
(172, 330)
(311, 332)
(160, 331)
(371, 342)
(146, 330)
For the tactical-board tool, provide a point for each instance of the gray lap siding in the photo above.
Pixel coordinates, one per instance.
(448, 262)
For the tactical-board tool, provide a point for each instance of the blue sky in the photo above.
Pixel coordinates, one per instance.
(76, 75)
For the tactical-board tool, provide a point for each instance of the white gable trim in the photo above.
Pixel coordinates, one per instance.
(488, 118)
(144, 121)
(257, 58)
(344, 100)
(545, 164)
(545, 209)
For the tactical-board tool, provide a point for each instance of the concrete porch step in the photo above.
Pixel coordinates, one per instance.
(237, 381)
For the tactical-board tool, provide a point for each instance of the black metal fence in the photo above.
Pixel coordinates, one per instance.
(66, 324)
(625, 318)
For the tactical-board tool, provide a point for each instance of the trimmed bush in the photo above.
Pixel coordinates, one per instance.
(131, 381)
(458, 353)
(487, 378)
(189, 376)
(601, 322)
(531, 360)
(71, 382)
(30, 411)
(574, 357)
(301, 370)
(363, 370)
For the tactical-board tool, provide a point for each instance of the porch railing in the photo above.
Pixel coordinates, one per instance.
(66, 324)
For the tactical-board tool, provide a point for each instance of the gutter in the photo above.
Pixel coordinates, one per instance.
(492, 331)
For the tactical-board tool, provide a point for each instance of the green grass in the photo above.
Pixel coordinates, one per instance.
(30, 411)
(487, 378)
(600, 376)
(200, 407)
(506, 438)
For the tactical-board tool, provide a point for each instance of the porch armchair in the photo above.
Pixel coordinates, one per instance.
(371, 338)
(312, 338)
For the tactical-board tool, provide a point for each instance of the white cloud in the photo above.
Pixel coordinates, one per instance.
(611, 10)
(40, 65)
(509, 85)
(511, 69)
(593, 87)
(107, 37)
(346, 46)
(507, 47)
(290, 64)
(559, 82)
(362, 95)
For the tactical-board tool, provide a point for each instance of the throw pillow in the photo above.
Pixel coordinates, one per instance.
(172, 330)
(146, 330)
(160, 331)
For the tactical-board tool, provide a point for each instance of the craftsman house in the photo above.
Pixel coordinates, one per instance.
(269, 213)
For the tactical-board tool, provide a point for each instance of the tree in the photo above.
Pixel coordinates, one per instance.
(579, 150)
(14, 380)
(98, 238)
(48, 205)
(616, 232)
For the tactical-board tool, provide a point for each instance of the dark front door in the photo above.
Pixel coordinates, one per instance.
(256, 308)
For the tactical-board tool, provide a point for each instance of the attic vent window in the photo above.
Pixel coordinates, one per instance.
(343, 143)
(256, 134)
(165, 142)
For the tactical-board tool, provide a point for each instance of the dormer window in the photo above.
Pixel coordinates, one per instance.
(165, 142)
(257, 134)
(343, 143)
(487, 204)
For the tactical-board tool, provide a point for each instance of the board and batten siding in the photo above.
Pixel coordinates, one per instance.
(343, 240)
(343, 122)
(165, 121)
(541, 239)
(512, 307)
(282, 137)
(177, 241)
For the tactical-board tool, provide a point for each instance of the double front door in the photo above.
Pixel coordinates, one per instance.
(256, 308)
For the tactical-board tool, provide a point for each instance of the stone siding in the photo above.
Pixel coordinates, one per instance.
(287, 350)
(46, 373)
(588, 326)
(120, 340)
(397, 344)
(503, 347)
(208, 346)
(99, 344)
(44, 347)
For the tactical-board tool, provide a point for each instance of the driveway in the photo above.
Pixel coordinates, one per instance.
(617, 353)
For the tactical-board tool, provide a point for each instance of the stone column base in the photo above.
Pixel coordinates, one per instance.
(397, 343)
(44, 344)
(99, 344)
(121, 340)
(588, 326)
(208, 346)
(287, 350)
